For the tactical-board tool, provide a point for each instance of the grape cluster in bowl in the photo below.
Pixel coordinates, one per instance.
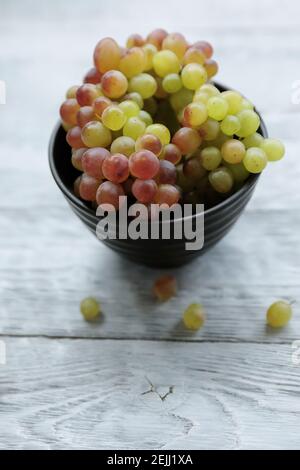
(148, 123)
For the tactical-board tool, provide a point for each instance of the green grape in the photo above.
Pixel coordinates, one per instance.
(144, 84)
(254, 140)
(114, 118)
(255, 160)
(230, 125)
(194, 317)
(165, 62)
(95, 134)
(90, 309)
(145, 117)
(273, 148)
(130, 108)
(234, 101)
(124, 145)
(195, 114)
(193, 76)
(233, 151)
(149, 51)
(249, 121)
(172, 83)
(211, 158)
(279, 314)
(201, 97)
(134, 127)
(132, 62)
(209, 89)
(246, 104)
(209, 130)
(161, 131)
(135, 97)
(181, 99)
(217, 108)
(221, 180)
(239, 172)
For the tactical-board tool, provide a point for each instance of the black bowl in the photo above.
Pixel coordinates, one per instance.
(218, 220)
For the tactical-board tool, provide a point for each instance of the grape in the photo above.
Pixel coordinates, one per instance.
(230, 125)
(68, 111)
(172, 83)
(209, 130)
(234, 100)
(200, 97)
(160, 92)
(239, 172)
(144, 165)
(187, 140)
(167, 194)
(255, 160)
(76, 186)
(71, 93)
(217, 108)
(194, 55)
(254, 140)
(149, 50)
(77, 158)
(86, 94)
(134, 128)
(88, 187)
(144, 84)
(221, 179)
(124, 145)
(92, 161)
(90, 309)
(183, 182)
(74, 138)
(109, 193)
(92, 76)
(233, 151)
(209, 89)
(150, 106)
(145, 117)
(107, 55)
(127, 186)
(211, 67)
(195, 114)
(171, 153)
(100, 104)
(165, 62)
(144, 190)
(279, 314)
(160, 131)
(165, 287)
(273, 148)
(114, 84)
(211, 158)
(94, 134)
(132, 62)
(115, 168)
(130, 108)
(136, 97)
(167, 173)
(193, 169)
(194, 317)
(249, 121)
(176, 43)
(193, 76)
(85, 115)
(246, 104)
(149, 142)
(205, 47)
(66, 126)
(114, 118)
(156, 37)
(135, 40)
(181, 99)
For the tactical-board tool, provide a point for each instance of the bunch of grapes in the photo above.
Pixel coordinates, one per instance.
(148, 123)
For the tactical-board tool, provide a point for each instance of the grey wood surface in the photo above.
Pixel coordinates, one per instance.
(68, 384)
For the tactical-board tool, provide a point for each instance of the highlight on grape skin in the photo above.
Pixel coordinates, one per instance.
(147, 121)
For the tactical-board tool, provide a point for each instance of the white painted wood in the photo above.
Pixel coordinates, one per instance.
(88, 393)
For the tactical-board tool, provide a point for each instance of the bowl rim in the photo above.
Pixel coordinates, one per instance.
(249, 183)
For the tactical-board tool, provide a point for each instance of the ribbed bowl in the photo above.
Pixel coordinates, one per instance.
(218, 220)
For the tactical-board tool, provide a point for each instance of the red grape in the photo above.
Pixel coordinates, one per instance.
(187, 140)
(156, 37)
(85, 115)
(144, 164)
(167, 173)
(114, 84)
(205, 47)
(92, 161)
(107, 55)
(149, 142)
(193, 169)
(69, 110)
(86, 94)
(93, 76)
(74, 138)
(88, 187)
(167, 194)
(77, 186)
(77, 158)
(115, 168)
(135, 40)
(109, 193)
(211, 67)
(165, 287)
(100, 104)
(144, 190)
(171, 153)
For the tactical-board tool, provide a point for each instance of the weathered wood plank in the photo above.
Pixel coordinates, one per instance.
(91, 394)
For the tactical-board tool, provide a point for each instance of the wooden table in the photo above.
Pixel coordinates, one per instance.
(68, 384)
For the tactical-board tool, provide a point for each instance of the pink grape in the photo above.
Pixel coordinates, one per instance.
(144, 190)
(69, 110)
(167, 173)
(107, 55)
(86, 94)
(115, 168)
(171, 153)
(109, 193)
(167, 194)
(92, 76)
(88, 187)
(100, 104)
(85, 115)
(156, 37)
(74, 138)
(205, 47)
(149, 142)
(187, 140)
(92, 161)
(144, 164)
(76, 186)
(77, 158)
